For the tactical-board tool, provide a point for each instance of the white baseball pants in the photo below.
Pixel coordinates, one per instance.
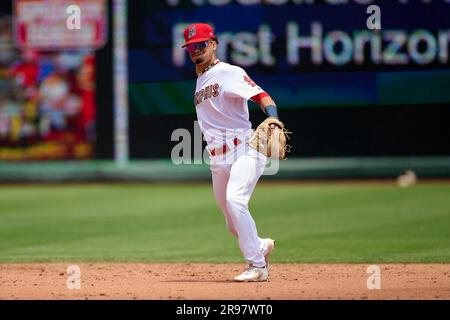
(234, 177)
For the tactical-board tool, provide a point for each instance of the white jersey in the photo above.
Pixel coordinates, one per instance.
(221, 96)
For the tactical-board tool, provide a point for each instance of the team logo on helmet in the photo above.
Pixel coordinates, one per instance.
(191, 32)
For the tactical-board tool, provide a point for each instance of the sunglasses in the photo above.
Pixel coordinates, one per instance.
(197, 46)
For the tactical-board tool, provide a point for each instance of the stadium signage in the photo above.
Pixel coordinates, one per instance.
(284, 2)
(319, 47)
(43, 24)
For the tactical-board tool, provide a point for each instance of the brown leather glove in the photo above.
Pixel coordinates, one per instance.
(270, 139)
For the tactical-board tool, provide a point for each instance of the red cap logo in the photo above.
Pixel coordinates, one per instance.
(198, 32)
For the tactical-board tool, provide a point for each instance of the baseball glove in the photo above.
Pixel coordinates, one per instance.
(271, 142)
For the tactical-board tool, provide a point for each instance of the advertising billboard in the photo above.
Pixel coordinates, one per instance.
(306, 54)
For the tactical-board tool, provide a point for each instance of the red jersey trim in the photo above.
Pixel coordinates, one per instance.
(257, 98)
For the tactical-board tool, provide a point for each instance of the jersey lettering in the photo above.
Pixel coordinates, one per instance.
(250, 81)
(206, 93)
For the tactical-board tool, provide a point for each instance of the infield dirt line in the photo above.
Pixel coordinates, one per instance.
(167, 281)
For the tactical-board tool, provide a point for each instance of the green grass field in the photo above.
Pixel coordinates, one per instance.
(180, 222)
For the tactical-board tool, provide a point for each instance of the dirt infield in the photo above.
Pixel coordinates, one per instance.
(214, 281)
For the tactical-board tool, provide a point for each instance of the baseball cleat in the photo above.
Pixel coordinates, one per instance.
(270, 245)
(253, 274)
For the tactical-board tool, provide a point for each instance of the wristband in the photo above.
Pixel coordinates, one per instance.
(271, 111)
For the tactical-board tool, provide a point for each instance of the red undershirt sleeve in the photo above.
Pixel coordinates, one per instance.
(257, 98)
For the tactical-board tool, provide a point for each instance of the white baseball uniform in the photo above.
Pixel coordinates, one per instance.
(221, 96)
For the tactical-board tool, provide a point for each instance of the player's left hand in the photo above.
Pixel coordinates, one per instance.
(271, 134)
(273, 126)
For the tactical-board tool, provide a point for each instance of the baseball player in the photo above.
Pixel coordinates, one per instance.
(221, 96)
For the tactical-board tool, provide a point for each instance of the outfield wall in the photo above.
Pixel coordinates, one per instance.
(165, 170)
